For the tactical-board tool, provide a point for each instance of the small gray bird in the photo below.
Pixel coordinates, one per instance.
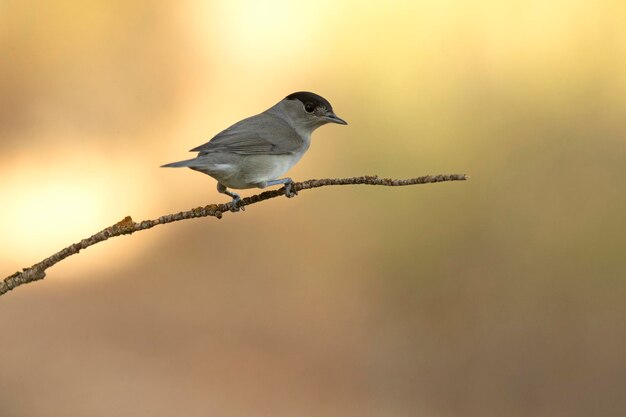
(257, 151)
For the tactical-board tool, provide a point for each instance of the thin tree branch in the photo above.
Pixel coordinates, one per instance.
(127, 226)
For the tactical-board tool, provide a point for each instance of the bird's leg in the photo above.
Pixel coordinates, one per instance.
(221, 188)
(289, 192)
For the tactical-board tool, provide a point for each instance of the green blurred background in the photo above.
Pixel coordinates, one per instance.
(501, 296)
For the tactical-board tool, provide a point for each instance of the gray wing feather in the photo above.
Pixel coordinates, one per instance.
(261, 134)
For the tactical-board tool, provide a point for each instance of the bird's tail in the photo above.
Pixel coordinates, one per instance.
(187, 163)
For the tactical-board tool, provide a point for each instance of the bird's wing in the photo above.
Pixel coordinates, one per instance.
(261, 134)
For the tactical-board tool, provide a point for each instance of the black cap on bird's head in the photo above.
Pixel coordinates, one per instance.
(311, 99)
(314, 103)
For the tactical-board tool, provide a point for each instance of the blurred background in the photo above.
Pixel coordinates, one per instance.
(501, 296)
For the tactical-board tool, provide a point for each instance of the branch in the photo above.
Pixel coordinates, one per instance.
(127, 226)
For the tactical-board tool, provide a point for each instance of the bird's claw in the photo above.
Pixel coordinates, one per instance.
(290, 192)
(235, 204)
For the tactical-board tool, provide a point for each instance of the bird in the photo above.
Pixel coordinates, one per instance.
(255, 152)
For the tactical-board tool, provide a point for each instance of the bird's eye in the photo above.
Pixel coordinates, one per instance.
(309, 107)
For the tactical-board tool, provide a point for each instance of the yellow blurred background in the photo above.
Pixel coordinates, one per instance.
(501, 296)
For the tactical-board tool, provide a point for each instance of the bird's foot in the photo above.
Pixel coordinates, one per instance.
(290, 191)
(235, 203)
(288, 182)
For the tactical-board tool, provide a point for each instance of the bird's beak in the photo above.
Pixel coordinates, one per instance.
(333, 118)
